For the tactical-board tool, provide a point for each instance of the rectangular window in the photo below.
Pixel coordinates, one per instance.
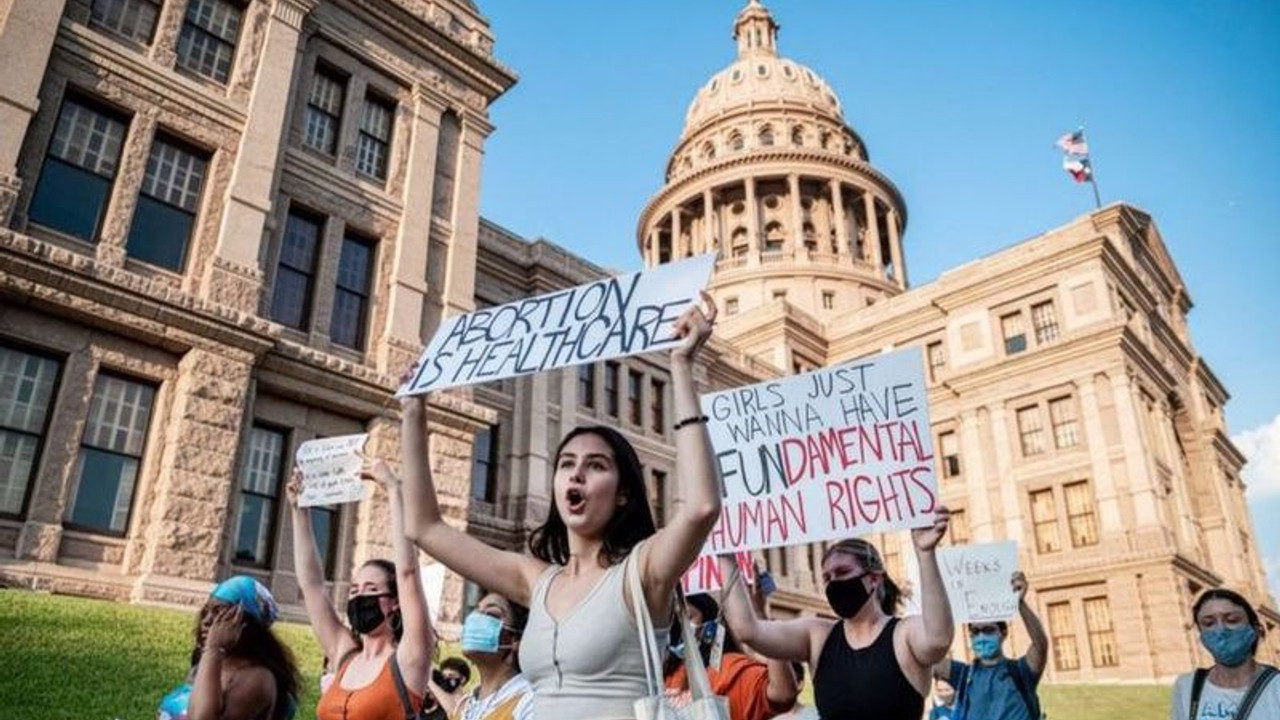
(131, 19)
(1030, 430)
(1044, 318)
(779, 295)
(611, 388)
(75, 182)
(731, 306)
(959, 527)
(635, 381)
(27, 386)
(259, 496)
(115, 433)
(1062, 634)
(659, 406)
(658, 500)
(1015, 335)
(291, 298)
(1102, 637)
(166, 213)
(484, 466)
(828, 300)
(324, 111)
(1082, 521)
(207, 45)
(1044, 517)
(1062, 413)
(375, 136)
(324, 528)
(950, 447)
(587, 386)
(351, 297)
(937, 360)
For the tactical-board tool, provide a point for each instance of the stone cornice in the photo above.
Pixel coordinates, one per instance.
(1066, 352)
(1210, 380)
(1226, 448)
(1141, 353)
(75, 275)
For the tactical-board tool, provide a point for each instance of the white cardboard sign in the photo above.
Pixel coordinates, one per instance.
(978, 579)
(433, 588)
(608, 318)
(331, 470)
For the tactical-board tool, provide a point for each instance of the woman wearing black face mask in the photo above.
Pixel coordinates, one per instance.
(869, 663)
(383, 661)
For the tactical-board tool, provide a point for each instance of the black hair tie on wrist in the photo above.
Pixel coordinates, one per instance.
(695, 420)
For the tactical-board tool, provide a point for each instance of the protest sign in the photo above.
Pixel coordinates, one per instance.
(706, 575)
(433, 588)
(827, 455)
(609, 318)
(978, 580)
(330, 470)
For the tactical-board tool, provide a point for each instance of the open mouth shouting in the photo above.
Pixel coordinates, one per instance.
(575, 501)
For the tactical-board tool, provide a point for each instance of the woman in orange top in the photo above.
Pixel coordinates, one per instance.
(383, 660)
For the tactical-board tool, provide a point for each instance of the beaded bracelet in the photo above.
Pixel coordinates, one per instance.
(695, 420)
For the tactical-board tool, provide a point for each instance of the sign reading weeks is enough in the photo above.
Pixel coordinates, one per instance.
(613, 317)
(979, 581)
(330, 470)
(826, 455)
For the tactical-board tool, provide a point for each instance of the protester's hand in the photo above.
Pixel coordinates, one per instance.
(1019, 581)
(224, 633)
(758, 599)
(413, 407)
(380, 472)
(695, 327)
(927, 538)
(293, 489)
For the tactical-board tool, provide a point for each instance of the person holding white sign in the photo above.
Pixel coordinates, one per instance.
(870, 663)
(381, 663)
(581, 650)
(995, 686)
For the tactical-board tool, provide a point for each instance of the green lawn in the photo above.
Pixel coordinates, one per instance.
(65, 658)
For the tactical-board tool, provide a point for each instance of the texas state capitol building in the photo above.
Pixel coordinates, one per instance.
(229, 226)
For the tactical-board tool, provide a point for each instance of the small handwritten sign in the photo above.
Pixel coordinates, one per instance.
(331, 470)
(613, 317)
(978, 579)
(433, 588)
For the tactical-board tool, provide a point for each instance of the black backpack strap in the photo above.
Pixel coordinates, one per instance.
(1197, 687)
(401, 690)
(1255, 691)
(1015, 674)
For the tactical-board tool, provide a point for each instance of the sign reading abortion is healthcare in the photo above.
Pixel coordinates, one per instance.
(609, 318)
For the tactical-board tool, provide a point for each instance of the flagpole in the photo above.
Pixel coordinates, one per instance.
(1097, 199)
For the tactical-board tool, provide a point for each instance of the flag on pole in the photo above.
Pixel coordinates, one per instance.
(1073, 143)
(1078, 167)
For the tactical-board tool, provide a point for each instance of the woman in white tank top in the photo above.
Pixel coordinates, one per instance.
(580, 649)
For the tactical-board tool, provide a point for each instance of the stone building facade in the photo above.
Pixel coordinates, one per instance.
(275, 201)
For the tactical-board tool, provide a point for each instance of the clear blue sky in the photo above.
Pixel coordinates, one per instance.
(960, 104)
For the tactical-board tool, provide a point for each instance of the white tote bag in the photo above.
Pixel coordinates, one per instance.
(704, 704)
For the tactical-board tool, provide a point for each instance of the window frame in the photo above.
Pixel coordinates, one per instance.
(1015, 344)
(1031, 434)
(1051, 521)
(1096, 636)
(366, 300)
(1050, 330)
(339, 77)
(612, 372)
(635, 397)
(116, 32)
(947, 459)
(658, 405)
(490, 462)
(9, 343)
(374, 98)
(308, 307)
(1057, 634)
(1089, 515)
(200, 155)
(182, 65)
(273, 533)
(586, 385)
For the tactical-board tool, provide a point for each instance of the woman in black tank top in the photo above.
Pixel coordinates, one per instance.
(869, 664)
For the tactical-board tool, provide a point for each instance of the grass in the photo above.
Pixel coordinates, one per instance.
(67, 658)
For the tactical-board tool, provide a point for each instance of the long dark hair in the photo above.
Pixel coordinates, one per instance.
(388, 568)
(259, 646)
(869, 558)
(630, 523)
(1234, 598)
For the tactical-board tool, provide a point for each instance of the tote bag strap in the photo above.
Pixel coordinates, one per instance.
(644, 625)
(695, 669)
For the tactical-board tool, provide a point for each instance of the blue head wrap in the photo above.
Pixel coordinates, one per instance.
(249, 594)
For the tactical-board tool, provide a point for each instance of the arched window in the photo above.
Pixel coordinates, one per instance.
(810, 237)
(766, 136)
(708, 150)
(824, 139)
(738, 244)
(774, 237)
(797, 136)
(735, 140)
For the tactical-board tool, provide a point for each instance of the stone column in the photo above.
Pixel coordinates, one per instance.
(27, 31)
(460, 278)
(175, 554)
(978, 503)
(872, 237)
(650, 251)
(1009, 501)
(407, 295)
(677, 241)
(795, 240)
(1141, 486)
(234, 277)
(710, 224)
(842, 224)
(1103, 482)
(530, 479)
(753, 222)
(895, 248)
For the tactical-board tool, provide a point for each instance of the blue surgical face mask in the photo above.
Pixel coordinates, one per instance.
(1229, 646)
(986, 647)
(481, 633)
